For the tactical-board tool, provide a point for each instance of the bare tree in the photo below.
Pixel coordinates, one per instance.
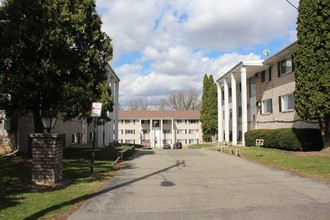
(140, 104)
(163, 104)
(182, 100)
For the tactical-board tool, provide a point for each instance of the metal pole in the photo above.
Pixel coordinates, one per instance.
(93, 147)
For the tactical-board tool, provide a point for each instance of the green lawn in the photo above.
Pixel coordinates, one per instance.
(311, 164)
(19, 199)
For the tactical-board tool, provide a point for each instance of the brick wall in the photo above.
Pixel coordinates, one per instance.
(47, 158)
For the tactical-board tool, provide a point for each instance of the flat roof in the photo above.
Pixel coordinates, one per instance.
(169, 114)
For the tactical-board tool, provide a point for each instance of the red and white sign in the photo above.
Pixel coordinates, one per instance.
(96, 109)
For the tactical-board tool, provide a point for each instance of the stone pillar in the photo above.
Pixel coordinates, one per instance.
(47, 158)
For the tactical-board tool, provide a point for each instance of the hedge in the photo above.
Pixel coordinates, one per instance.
(287, 139)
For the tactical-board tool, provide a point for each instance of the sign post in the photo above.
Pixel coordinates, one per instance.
(96, 113)
(259, 142)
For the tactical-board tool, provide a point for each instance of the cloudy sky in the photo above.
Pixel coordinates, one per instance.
(162, 46)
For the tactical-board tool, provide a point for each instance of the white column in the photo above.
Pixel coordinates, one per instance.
(234, 109)
(226, 110)
(161, 133)
(151, 134)
(244, 103)
(116, 110)
(111, 123)
(140, 132)
(220, 116)
(173, 132)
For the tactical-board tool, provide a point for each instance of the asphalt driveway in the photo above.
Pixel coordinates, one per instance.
(202, 184)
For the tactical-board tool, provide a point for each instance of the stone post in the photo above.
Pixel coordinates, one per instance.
(47, 158)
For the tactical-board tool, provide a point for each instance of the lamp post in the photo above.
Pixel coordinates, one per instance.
(48, 118)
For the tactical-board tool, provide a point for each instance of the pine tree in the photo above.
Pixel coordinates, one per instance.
(312, 62)
(209, 114)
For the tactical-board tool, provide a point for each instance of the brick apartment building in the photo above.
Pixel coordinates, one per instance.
(155, 128)
(257, 95)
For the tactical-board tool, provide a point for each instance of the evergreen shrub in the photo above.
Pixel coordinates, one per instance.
(286, 139)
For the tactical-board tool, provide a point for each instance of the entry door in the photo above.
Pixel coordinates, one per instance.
(157, 140)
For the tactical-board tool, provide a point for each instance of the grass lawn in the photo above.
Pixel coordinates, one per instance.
(19, 199)
(311, 164)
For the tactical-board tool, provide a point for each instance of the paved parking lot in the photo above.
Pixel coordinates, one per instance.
(202, 184)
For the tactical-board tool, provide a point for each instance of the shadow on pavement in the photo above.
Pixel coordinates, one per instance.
(85, 197)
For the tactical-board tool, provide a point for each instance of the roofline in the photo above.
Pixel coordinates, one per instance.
(242, 63)
(281, 51)
(112, 71)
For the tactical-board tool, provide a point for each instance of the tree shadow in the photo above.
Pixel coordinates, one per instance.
(89, 196)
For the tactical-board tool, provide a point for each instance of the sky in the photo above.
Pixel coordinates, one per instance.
(163, 46)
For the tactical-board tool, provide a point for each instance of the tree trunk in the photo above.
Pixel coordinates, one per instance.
(325, 132)
(38, 127)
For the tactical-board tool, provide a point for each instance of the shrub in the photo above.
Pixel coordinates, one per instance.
(287, 138)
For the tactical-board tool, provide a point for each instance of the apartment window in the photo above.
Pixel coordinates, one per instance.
(193, 131)
(252, 87)
(167, 122)
(155, 123)
(129, 131)
(193, 121)
(180, 121)
(167, 141)
(145, 131)
(266, 75)
(285, 66)
(286, 102)
(167, 131)
(120, 131)
(145, 122)
(75, 138)
(129, 122)
(129, 141)
(182, 141)
(266, 106)
(193, 141)
(181, 131)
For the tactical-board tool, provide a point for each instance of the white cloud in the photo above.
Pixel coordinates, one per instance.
(177, 42)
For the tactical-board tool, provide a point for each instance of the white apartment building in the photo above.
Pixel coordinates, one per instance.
(156, 128)
(258, 95)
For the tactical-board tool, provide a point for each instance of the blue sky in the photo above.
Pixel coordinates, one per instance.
(163, 46)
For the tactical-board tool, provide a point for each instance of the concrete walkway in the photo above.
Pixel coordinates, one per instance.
(202, 184)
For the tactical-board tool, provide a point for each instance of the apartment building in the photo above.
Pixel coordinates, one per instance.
(258, 95)
(155, 128)
(14, 133)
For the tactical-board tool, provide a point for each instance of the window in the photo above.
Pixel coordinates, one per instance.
(286, 102)
(167, 131)
(167, 122)
(181, 131)
(182, 141)
(252, 87)
(266, 75)
(120, 131)
(179, 121)
(129, 122)
(193, 131)
(129, 131)
(193, 141)
(155, 123)
(285, 66)
(167, 141)
(75, 138)
(266, 106)
(193, 121)
(145, 122)
(129, 141)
